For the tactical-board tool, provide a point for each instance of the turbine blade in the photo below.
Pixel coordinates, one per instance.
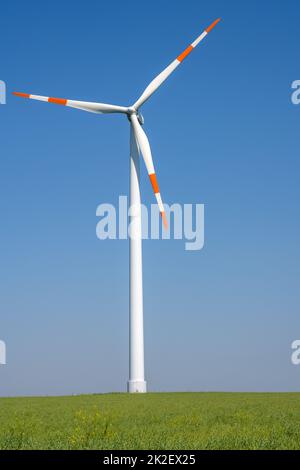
(155, 84)
(91, 107)
(144, 147)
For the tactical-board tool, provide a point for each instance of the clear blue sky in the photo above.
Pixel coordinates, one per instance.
(223, 133)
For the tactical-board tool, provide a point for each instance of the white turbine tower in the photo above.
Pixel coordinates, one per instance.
(139, 144)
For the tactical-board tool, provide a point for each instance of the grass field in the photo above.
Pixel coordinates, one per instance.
(152, 421)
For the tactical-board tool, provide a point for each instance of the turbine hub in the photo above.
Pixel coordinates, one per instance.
(131, 110)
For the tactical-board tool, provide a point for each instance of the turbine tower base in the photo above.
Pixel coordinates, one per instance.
(137, 386)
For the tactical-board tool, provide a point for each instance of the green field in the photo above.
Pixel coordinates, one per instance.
(152, 421)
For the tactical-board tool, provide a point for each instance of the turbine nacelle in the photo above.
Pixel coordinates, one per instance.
(140, 118)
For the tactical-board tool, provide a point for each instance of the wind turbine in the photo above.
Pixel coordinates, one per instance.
(139, 144)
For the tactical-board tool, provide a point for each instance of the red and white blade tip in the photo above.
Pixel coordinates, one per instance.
(22, 95)
(211, 26)
(164, 218)
(50, 99)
